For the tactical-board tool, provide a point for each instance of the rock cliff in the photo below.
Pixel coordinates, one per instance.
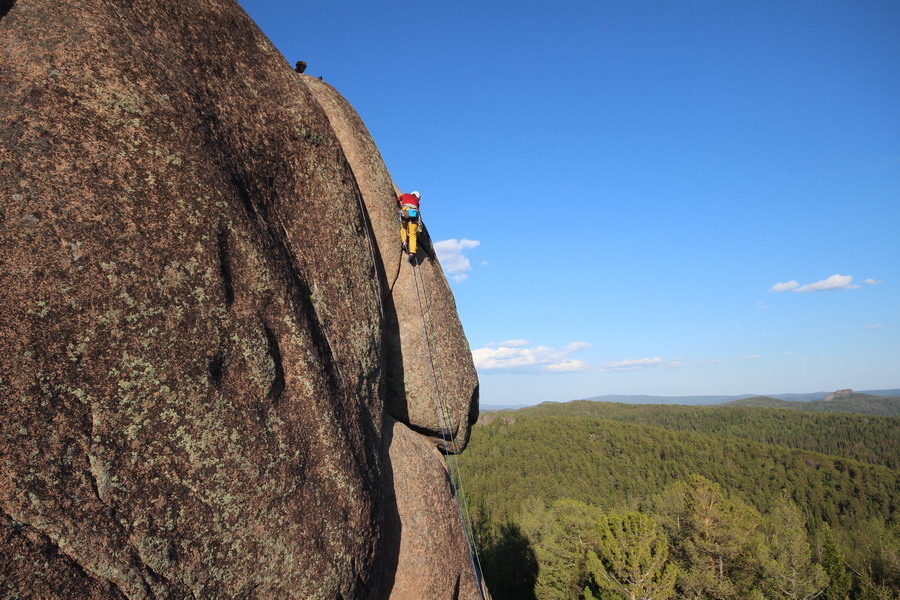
(212, 369)
(838, 394)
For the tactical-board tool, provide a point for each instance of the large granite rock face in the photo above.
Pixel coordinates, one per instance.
(198, 335)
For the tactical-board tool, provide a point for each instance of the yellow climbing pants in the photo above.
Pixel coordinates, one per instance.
(411, 225)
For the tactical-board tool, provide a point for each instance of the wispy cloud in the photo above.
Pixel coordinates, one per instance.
(512, 343)
(450, 254)
(785, 286)
(871, 281)
(887, 161)
(515, 354)
(879, 326)
(576, 347)
(569, 364)
(631, 364)
(835, 282)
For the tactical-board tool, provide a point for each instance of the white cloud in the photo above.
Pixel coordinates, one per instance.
(450, 254)
(514, 354)
(630, 364)
(783, 287)
(752, 357)
(575, 347)
(871, 281)
(835, 282)
(569, 364)
(879, 326)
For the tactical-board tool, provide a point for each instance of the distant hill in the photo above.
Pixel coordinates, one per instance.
(708, 400)
(872, 439)
(719, 399)
(859, 403)
(491, 407)
(685, 400)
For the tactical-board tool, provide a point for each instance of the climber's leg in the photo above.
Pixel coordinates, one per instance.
(412, 237)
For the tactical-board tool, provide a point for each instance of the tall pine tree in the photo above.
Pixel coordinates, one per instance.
(629, 560)
(839, 580)
(563, 549)
(786, 558)
(712, 538)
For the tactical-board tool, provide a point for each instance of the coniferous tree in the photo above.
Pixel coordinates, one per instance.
(629, 560)
(788, 572)
(712, 536)
(562, 551)
(877, 546)
(839, 581)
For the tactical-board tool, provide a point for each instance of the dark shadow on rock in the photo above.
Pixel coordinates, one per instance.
(509, 562)
(5, 6)
(391, 342)
(395, 378)
(388, 552)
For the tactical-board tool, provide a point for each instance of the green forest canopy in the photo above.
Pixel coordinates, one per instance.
(838, 469)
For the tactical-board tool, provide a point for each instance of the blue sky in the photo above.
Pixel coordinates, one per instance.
(621, 189)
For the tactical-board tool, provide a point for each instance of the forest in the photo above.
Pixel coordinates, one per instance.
(865, 438)
(601, 500)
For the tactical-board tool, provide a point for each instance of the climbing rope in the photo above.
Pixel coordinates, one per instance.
(451, 448)
(454, 457)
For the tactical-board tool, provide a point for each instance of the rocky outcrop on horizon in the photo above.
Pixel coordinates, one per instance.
(837, 395)
(212, 378)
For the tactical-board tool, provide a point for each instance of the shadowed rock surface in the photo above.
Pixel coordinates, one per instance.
(196, 334)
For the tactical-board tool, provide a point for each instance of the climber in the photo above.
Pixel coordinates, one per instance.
(410, 220)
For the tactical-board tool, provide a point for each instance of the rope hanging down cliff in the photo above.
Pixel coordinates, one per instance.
(445, 406)
(445, 422)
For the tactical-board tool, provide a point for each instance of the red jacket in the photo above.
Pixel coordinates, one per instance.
(408, 199)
